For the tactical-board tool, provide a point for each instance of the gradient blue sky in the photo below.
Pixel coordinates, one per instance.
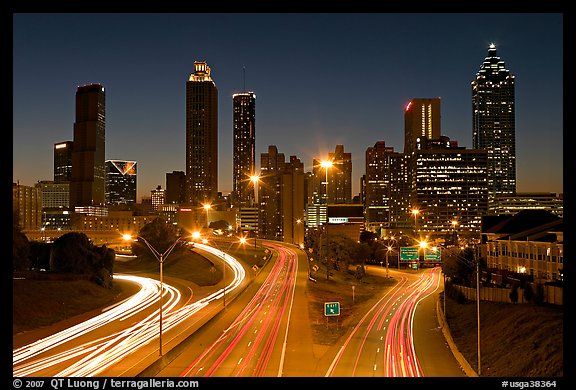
(319, 79)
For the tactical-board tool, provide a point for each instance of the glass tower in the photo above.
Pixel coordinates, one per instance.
(493, 126)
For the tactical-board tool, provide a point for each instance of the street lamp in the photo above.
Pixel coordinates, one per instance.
(160, 257)
(455, 236)
(207, 207)
(326, 164)
(388, 251)
(415, 212)
(255, 179)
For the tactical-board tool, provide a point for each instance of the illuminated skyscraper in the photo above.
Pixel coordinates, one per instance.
(493, 126)
(121, 182)
(87, 185)
(63, 161)
(421, 119)
(244, 106)
(201, 136)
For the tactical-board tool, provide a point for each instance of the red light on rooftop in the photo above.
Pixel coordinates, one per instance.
(408, 106)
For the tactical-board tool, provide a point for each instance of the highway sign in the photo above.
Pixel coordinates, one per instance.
(331, 308)
(432, 254)
(409, 253)
(315, 268)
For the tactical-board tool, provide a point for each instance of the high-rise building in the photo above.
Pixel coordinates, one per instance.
(421, 119)
(340, 177)
(493, 124)
(281, 197)
(244, 164)
(63, 161)
(121, 180)
(201, 136)
(450, 184)
(175, 187)
(88, 181)
(377, 184)
(157, 197)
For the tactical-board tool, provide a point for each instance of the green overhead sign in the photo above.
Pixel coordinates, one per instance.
(409, 253)
(432, 254)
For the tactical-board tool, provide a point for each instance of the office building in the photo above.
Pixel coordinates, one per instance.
(88, 180)
(175, 187)
(244, 148)
(421, 119)
(63, 161)
(493, 124)
(121, 181)
(201, 136)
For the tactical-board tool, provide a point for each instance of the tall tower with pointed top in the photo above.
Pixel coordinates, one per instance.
(201, 136)
(493, 125)
(244, 132)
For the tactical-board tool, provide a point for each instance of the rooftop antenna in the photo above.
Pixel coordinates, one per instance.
(244, 77)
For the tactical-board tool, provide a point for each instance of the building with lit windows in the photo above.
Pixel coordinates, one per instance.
(450, 184)
(340, 177)
(158, 196)
(201, 136)
(121, 181)
(244, 148)
(63, 161)
(493, 124)
(529, 243)
(281, 197)
(88, 179)
(421, 119)
(512, 204)
(377, 185)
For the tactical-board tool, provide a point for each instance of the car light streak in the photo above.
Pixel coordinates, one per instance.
(255, 331)
(101, 353)
(396, 309)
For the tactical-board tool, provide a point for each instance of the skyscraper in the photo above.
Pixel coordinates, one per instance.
(244, 105)
(421, 119)
(87, 185)
(63, 161)
(340, 176)
(121, 182)
(201, 136)
(493, 124)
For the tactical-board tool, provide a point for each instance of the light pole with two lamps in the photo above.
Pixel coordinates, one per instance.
(160, 257)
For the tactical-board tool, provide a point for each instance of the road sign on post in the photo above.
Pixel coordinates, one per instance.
(331, 309)
(409, 253)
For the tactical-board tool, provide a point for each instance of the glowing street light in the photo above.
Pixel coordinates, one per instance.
(160, 257)
(415, 212)
(207, 207)
(255, 179)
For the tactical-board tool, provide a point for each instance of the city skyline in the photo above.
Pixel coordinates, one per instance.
(340, 79)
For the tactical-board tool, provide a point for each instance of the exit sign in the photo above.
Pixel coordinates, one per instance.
(331, 308)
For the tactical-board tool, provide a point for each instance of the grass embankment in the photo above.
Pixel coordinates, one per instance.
(40, 303)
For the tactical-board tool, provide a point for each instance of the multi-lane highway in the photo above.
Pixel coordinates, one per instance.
(107, 344)
(259, 328)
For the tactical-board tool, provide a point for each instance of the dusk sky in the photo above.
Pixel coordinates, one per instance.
(319, 79)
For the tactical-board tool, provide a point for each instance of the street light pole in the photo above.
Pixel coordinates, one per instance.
(160, 257)
(478, 311)
(255, 179)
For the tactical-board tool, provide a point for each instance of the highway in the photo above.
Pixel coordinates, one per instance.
(106, 344)
(254, 343)
(382, 344)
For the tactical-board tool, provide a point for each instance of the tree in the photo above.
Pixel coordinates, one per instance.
(20, 249)
(159, 234)
(514, 294)
(74, 253)
(528, 292)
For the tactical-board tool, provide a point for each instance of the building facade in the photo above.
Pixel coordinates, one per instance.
(493, 124)
(63, 161)
(244, 148)
(201, 136)
(121, 182)
(88, 179)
